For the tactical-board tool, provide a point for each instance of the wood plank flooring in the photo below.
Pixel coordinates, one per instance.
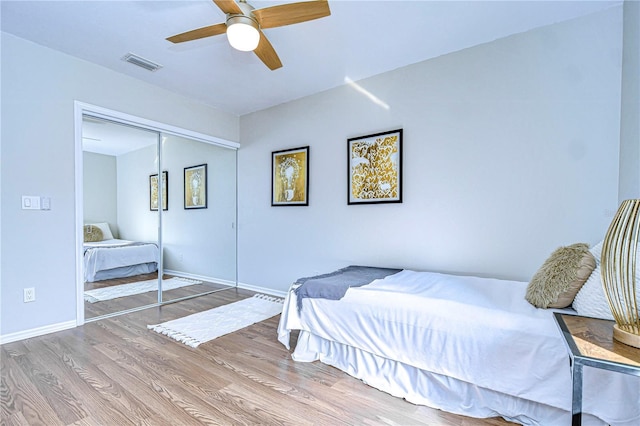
(117, 372)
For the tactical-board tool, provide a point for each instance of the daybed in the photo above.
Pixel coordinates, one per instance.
(106, 257)
(466, 345)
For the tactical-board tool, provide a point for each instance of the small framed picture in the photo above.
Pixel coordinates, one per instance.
(153, 191)
(290, 177)
(195, 187)
(375, 168)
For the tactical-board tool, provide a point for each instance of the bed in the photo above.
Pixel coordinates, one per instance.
(467, 345)
(106, 257)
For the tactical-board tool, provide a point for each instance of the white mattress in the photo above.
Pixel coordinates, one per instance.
(112, 254)
(475, 331)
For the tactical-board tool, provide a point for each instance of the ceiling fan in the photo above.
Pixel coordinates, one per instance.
(244, 25)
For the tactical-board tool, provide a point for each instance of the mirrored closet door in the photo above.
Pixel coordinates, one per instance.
(159, 217)
(121, 245)
(198, 227)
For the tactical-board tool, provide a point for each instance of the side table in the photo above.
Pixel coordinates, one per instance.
(590, 343)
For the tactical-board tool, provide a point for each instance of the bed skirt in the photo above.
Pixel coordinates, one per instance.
(125, 271)
(425, 388)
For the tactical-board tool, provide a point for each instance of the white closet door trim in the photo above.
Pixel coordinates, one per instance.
(100, 112)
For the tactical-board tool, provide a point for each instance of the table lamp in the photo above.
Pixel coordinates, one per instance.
(620, 278)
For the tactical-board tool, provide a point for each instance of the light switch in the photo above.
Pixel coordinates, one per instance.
(30, 202)
(46, 203)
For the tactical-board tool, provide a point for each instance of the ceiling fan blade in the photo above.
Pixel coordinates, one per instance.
(228, 6)
(292, 13)
(211, 30)
(267, 53)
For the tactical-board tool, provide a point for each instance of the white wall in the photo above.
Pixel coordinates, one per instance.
(630, 124)
(136, 221)
(510, 150)
(39, 86)
(100, 189)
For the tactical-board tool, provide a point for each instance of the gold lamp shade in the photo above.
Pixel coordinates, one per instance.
(619, 279)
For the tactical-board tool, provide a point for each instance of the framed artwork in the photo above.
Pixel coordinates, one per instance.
(290, 177)
(375, 168)
(153, 191)
(195, 187)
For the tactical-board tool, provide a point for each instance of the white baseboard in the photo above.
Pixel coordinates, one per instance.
(227, 282)
(265, 290)
(35, 332)
(200, 277)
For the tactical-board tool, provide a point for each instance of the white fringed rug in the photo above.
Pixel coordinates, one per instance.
(199, 328)
(113, 292)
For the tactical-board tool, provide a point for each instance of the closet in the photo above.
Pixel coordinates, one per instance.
(171, 189)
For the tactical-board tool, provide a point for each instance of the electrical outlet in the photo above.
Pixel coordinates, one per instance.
(29, 294)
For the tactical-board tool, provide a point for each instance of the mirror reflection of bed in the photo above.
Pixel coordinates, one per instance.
(122, 274)
(124, 244)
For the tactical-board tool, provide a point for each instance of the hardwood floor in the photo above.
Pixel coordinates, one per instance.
(117, 372)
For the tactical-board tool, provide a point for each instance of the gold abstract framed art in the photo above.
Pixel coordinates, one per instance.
(153, 191)
(290, 177)
(375, 168)
(195, 187)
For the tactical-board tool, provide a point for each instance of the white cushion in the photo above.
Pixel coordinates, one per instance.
(596, 251)
(591, 300)
(104, 227)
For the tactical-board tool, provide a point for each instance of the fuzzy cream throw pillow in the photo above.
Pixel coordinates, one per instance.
(561, 276)
(92, 234)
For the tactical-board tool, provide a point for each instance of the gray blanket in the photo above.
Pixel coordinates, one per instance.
(335, 284)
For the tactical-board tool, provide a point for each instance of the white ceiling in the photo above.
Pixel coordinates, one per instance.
(361, 38)
(109, 138)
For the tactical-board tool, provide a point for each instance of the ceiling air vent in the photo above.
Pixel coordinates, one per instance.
(141, 62)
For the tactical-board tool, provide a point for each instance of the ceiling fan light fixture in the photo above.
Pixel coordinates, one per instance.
(244, 24)
(242, 33)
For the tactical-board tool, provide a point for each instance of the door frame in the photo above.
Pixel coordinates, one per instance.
(81, 109)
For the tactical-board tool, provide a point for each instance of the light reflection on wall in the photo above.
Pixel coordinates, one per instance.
(368, 94)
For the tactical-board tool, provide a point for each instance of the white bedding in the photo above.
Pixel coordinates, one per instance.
(474, 333)
(113, 254)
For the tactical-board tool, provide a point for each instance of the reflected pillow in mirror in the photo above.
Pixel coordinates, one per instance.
(92, 234)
